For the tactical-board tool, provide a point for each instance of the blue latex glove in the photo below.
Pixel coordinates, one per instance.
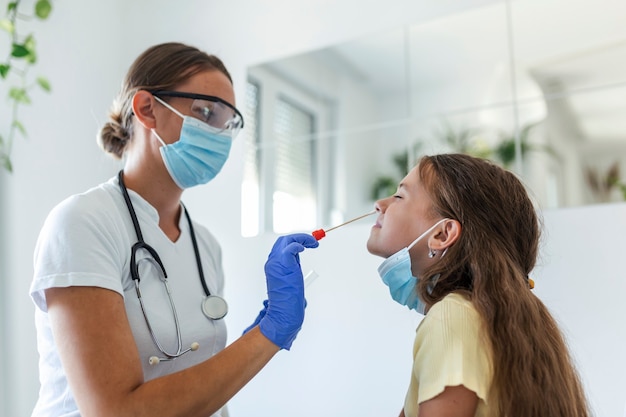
(283, 312)
(258, 318)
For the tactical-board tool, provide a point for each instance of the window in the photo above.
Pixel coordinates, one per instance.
(283, 170)
(250, 184)
(293, 196)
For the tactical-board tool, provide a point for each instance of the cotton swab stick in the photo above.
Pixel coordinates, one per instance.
(320, 233)
(309, 278)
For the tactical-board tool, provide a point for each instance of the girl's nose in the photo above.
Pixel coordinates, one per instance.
(381, 205)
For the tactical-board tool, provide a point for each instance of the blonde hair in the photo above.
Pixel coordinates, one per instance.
(160, 67)
(496, 251)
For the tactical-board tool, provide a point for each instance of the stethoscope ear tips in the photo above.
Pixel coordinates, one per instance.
(155, 360)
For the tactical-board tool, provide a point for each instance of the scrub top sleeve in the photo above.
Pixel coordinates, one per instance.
(79, 244)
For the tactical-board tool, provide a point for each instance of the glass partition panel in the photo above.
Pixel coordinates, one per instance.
(460, 62)
(571, 58)
(538, 86)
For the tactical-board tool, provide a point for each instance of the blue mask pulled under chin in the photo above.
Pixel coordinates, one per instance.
(396, 273)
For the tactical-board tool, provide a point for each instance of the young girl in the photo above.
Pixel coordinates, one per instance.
(460, 238)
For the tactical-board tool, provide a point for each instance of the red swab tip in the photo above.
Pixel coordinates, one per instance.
(319, 234)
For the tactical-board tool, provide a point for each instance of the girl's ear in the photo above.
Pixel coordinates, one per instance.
(143, 108)
(446, 234)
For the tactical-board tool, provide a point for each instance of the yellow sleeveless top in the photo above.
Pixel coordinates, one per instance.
(449, 350)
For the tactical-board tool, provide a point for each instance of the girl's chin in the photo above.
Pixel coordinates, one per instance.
(371, 248)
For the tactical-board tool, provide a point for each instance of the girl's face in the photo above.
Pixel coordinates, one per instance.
(402, 218)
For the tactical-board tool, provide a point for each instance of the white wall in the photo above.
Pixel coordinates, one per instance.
(4, 308)
(353, 355)
(581, 278)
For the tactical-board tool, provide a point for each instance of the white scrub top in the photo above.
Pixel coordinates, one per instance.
(86, 241)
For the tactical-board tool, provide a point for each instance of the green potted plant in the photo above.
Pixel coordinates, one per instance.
(385, 185)
(504, 152)
(14, 72)
(603, 184)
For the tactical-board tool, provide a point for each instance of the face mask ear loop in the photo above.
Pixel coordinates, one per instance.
(158, 137)
(425, 233)
(169, 107)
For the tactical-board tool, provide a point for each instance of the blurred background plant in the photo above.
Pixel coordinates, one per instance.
(463, 140)
(14, 72)
(472, 141)
(621, 185)
(602, 184)
(386, 185)
(504, 152)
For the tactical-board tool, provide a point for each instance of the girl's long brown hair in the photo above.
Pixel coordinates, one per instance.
(533, 373)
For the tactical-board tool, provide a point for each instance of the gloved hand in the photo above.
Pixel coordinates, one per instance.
(258, 318)
(283, 313)
(261, 315)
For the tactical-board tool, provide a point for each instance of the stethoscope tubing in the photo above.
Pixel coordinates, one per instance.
(134, 270)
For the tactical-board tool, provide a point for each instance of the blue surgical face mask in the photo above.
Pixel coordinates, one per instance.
(198, 155)
(396, 273)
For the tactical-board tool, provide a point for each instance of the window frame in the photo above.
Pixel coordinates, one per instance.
(271, 88)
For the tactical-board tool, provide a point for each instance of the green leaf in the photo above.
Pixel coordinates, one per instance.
(4, 70)
(43, 9)
(32, 57)
(7, 26)
(506, 152)
(19, 51)
(19, 95)
(19, 126)
(12, 5)
(44, 84)
(6, 162)
(383, 187)
(29, 44)
(622, 187)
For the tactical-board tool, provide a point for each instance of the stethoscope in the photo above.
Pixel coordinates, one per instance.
(214, 307)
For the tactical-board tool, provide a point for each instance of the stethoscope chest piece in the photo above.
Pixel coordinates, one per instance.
(214, 307)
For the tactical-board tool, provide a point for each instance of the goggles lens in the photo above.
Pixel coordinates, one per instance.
(217, 115)
(211, 110)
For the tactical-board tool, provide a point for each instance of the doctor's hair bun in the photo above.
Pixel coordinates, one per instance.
(114, 136)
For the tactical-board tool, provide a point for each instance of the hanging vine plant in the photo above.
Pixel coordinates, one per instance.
(14, 72)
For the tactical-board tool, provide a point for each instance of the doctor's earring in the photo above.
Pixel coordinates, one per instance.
(431, 253)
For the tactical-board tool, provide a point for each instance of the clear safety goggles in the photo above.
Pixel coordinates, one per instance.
(212, 110)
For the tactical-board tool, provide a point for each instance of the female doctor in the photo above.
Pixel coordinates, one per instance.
(127, 287)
